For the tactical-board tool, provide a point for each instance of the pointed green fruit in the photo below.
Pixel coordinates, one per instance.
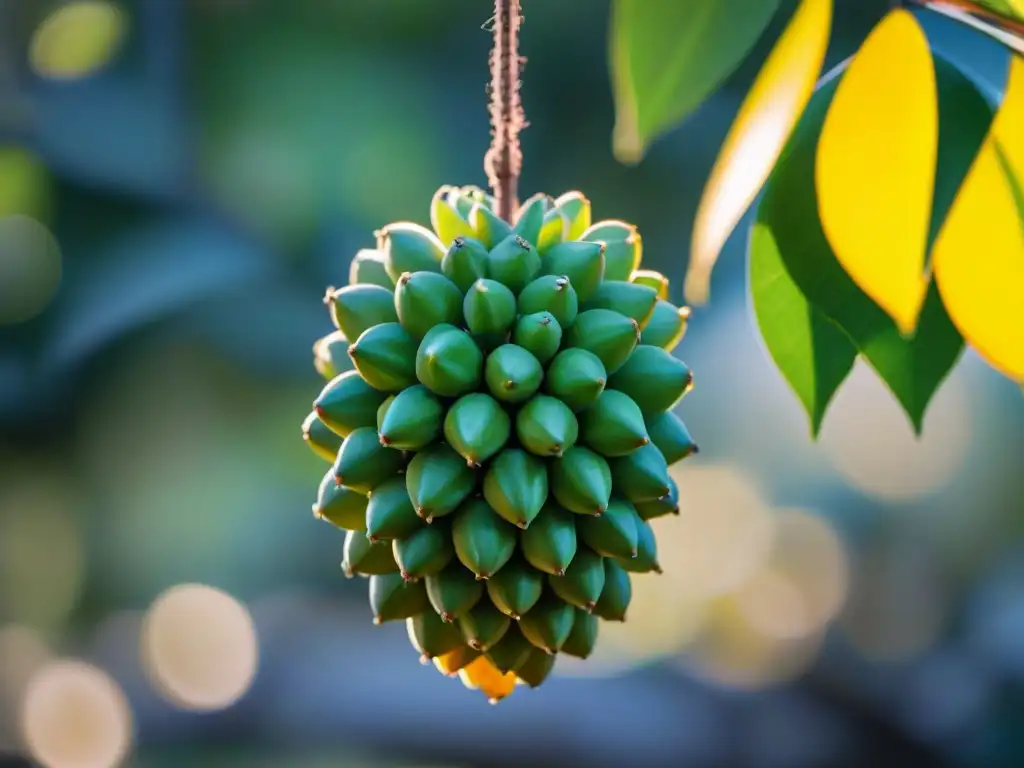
(330, 355)
(536, 669)
(340, 506)
(477, 427)
(654, 378)
(547, 625)
(617, 592)
(368, 268)
(454, 591)
(412, 419)
(666, 326)
(321, 439)
(511, 652)
(666, 505)
(655, 280)
(365, 557)
(363, 463)
(513, 262)
(576, 377)
(553, 231)
(608, 334)
(583, 637)
(448, 362)
(516, 486)
(576, 208)
(355, 308)
(546, 427)
(392, 598)
(483, 626)
(347, 402)
(516, 588)
(426, 299)
(438, 481)
(409, 247)
(484, 542)
(613, 533)
(490, 229)
(431, 636)
(646, 559)
(583, 580)
(383, 411)
(670, 435)
(465, 262)
(629, 299)
(385, 356)
(464, 198)
(624, 251)
(539, 334)
(581, 481)
(550, 293)
(489, 309)
(512, 374)
(446, 221)
(530, 218)
(642, 475)
(424, 552)
(582, 263)
(614, 425)
(390, 514)
(549, 544)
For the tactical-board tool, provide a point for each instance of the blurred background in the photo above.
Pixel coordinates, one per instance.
(181, 179)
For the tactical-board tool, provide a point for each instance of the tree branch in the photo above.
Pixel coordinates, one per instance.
(504, 159)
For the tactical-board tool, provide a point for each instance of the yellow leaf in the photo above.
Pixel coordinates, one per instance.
(875, 167)
(765, 120)
(482, 674)
(978, 257)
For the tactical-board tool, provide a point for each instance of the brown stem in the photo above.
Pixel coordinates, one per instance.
(504, 159)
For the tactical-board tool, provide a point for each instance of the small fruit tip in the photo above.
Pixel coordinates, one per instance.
(406, 576)
(561, 283)
(428, 519)
(494, 700)
(475, 644)
(695, 450)
(372, 539)
(522, 243)
(546, 320)
(510, 384)
(377, 620)
(353, 350)
(328, 295)
(316, 512)
(446, 617)
(339, 480)
(590, 606)
(404, 278)
(385, 440)
(642, 442)
(515, 616)
(632, 553)
(559, 571)
(600, 511)
(657, 569)
(319, 411)
(522, 524)
(684, 313)
(549, 650)
(424, 659)
(459, 242)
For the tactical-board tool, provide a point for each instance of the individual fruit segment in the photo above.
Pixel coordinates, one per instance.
(582, 263)
(431, 636)
(581, 481)
(483, 625)
(666, 326)
(646, 559)
(512, 374)
(666, 505)
(635, 301)
(490, 310)
(477, 427)
(642, 475)
(546, 427)
(613, 533)
(670, 435)
(426, 299)
(576, 377)
(617, 592)
(516, 588)
(482, 675)
(613, 425)
(516, 486)
(530, 218)
(583, 635)
(484, 541)
(536, 669)
(489, 227)
(424, 552)
(392, 598)
(583, 580)
(385, 356)
(438, 481)
(340, 506)
(363, 463)
(412, 420)
(448, 362)
(539, 334)
(445, 219)
(451, 663)
(624, 247)
(347, 403)
(511, 652)
(655, 280)
(547, 625)
(576, 208)
(609, 335)
(356, 308)
(549, 544)
(368, 268)
(321, 439)
(454, 591)
(390, 514)
(551, 293)
(654, 378)
(330, 355)
(409, 247)
(513, 262)
(465, 262)
(365, 557)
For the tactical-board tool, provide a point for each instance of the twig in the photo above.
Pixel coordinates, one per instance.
(504, 159)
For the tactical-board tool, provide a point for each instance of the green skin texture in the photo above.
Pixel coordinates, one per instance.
(506, 430)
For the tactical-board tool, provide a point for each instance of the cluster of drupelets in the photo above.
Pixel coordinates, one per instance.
(506, 433)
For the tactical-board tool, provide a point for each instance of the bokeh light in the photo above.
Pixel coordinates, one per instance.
(77, 38)
(199, 647)
(22, 652)
(30, 268)
(24, 183)
(74, 715)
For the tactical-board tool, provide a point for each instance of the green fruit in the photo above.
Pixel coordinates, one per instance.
(323, 441)
(583, 637)
(392, 598)
(363, 463)
(465, 262)
(549, 544)
(424, 300)
(512, 374)
(576, 208)
(347, 403)
(383, 411)
(576, 377)
(581, 481)
(655, 280)
(330, 355)
(412, 419)
(537, 667)
(431, 636)
(385, 357)
(516, 588)
(355, 308)
(624, 247)
(617, 592)
(654, 378)
(511, 652)
(666, 505)
(438, 481)
(489, 309)
(484, 542)
(530, 218)
(516, 486)
(671, 437)
(666, 326)
(546, 427)
(539, 334)
(445, 220)
(454, 591)
(490, 229)
(642, 475)
(513, 262)
(365, 557)
(613, 425)
(582, 263)
(424, 552)
(609, 335)
(448, 362)
(583, 580)
(550, 293)
(368, 268)
(464, 198)
(340, 506)
(555, 230)
(547, 625)
(409, 247)
(453, 661)
(483, 625)
(612, 533)
(634, 301)
(646, 559)
(390, 514)
(477, 427)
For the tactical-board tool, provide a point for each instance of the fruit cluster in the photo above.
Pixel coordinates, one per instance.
(505, 434)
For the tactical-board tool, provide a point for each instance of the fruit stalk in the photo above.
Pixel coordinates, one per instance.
(504, 159)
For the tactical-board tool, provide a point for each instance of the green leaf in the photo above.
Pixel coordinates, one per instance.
(667, 56)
